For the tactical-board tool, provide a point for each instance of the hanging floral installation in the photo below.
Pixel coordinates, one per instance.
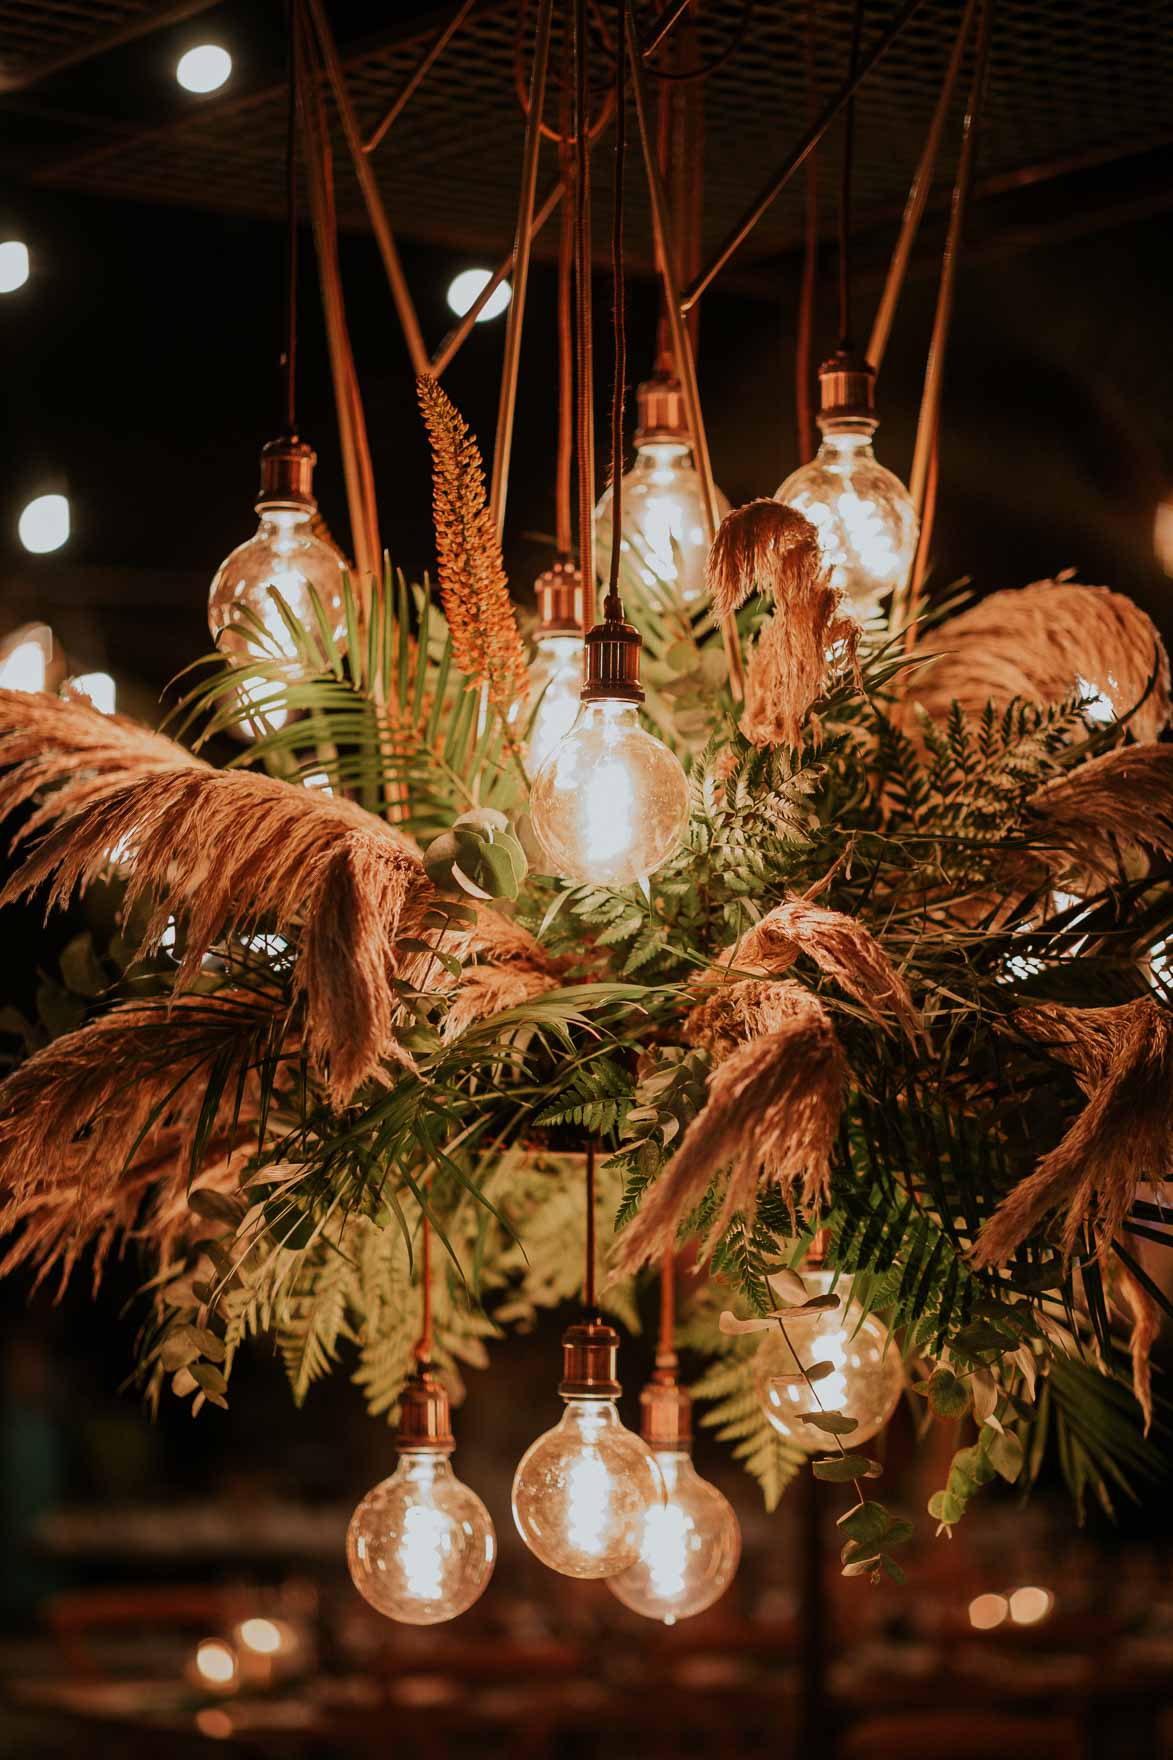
(876, 1051)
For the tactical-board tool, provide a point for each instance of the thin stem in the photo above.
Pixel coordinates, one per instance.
(564, 520)
(804, 341)
(620, 333)
(845, 182)
(582, 265)
(666, 1354)
(290, 362)
(588, 1282)
(424, 1347)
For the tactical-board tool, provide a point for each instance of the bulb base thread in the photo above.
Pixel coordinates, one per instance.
(847, 394)
(612, 658)
(287, 475)
(559, 594)
(661, 415)
(665, 1409)
(425, 1417)
(590, 1362)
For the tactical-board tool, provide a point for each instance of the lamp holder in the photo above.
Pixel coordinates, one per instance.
(847, 393)
(287, 475)
(612, 651)
(590, 1361)
(559, 593)
(425, 1417)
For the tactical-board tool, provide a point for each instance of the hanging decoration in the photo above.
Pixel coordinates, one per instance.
(878, 975)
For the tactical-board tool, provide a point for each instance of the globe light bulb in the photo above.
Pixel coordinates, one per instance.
(582, 1491)
(421, 1545)
(691, 1544)
(555, 674)
(864, 515)
(610, 803)
(666, 534)
(866, 1377)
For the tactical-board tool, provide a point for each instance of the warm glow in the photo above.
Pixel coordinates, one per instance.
(14, 265)
(665, 540)
(98, 688)
(865, 1379)
(689, 1549)
(421, 1546)
(25, 666)
(44, 524)
(588, 1502)
(1161, 964)
(987, 1611)
(263, 1636)
(204, 69)
(213, 1723)
(216, 1662)
(582, 1492)
(555, 684)
(1029, 1606)
(1162, 533)
(864, 516)
(466, 288)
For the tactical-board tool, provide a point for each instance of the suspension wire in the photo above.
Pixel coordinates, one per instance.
(804, 339)
(585, 357)
(845, 182)
(588, 1281)
(564, 524)
(289, 360)
(423, 1349)
(666, 1350)
(619, 381)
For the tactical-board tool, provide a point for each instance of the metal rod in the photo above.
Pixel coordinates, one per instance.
(458, 335)
(805, 334)
(522, 244)
(809, 140)
(376, 212)
(681, 340)
(584, 339)
(422, 68)
(661, 26)
(918, 195)
(928, 424)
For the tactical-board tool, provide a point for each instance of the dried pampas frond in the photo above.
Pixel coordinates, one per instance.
(842, 948)
(486, 642)
(48, 741)
(485, 990)
(747, 1008)
(1123, 799)
(1042, 643)
(772, 1114)
(771, 548)
(1146, 1323)
(1123, 1060)
(92, 1122)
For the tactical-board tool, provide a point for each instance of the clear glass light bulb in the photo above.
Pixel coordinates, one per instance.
(689, 1549)
(582, 1491)
(610, 803)
(555, 681)
(421, 1546)
(866, 1378)
(285, 554)
(666, 536)
(864, 516)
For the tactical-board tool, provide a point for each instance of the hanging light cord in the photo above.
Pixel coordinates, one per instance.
(423, 1349)
(562, 499)
(588, 1282)
(290, 361)
(618, 385)
(845, 184)
(666, 1350)
(582, 264)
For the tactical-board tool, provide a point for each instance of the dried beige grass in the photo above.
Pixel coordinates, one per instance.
(842, 947)
(486, 642)
(771, 1115)
(101, 1119)
(746, 1008)
(1146, 1323)
(48, 741)
(485, 990)
(767, 547)
(1041, 643)
(1120, 801)
(1123, 1061)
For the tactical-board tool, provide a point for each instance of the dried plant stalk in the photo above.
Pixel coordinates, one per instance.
(1146, 1323)
(48, 741)
(486, 642)
(1123, 1061)
(1122, 800)
(766, 547)
(1042, 643)
(772, 1114)
(842, 947)
(746, 1008)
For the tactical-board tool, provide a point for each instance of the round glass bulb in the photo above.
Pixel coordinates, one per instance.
(421, 1546)
(865, 1382)
(689, 1549)
(864, 516)
(285, 554)
(555, 682)
(582, 1491)
(610, 803)
(666, 535)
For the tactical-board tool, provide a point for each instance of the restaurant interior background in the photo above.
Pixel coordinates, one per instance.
(140, 377)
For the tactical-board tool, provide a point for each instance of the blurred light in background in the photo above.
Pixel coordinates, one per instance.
(1163, 535)
(14, 265)
(215, 1663)
(44, 524)
(1029, 1606)
(204, 69)
(98, 688)
(988, 1611)
(466, 288)
(24, 659)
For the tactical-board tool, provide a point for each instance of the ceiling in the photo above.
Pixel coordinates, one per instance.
(1078, 107)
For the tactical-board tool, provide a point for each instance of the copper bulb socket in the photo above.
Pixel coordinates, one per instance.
(847, 392)
(612, 658)
(287, 475)
(559, 593)
(425, 1417)
(590, 1362)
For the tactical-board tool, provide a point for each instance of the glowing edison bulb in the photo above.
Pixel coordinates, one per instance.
(689, 1549)
(864, 515)
(421, 1546)
(666, 533)
(582, 1491)
(555, 684)
(866, 1377)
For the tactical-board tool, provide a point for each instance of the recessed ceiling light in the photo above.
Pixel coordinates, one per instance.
(465, 289)
(44, 524)
(204, 69)
(14, 265)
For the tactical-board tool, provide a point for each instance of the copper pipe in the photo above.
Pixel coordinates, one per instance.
(457, 336)
(681, 341)
(422, 68)
(924, 539)
(376, 212)
(522, 244)
(584, 338)
(804, 338)
(928, 424)
(918, 195)
(808, 141)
